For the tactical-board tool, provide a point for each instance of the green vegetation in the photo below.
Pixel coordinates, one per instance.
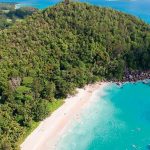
(51, 107)
(9, 15)
(47, 55)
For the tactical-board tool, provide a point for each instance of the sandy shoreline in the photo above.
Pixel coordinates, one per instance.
(46, 135)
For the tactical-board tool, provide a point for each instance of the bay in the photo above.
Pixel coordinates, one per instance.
(118, 120)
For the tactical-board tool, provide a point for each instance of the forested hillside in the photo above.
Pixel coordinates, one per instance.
(47, 55)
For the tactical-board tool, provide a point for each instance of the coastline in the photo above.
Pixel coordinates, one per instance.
(17, 6)
(46, 135)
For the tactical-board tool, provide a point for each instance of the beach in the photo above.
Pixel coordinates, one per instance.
(47, 134)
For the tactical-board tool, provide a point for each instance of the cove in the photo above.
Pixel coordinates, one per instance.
(117, 120)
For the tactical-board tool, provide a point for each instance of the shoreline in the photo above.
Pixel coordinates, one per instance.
(17, 6)
(46, 135)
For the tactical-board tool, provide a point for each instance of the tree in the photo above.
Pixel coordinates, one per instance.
(41, 110)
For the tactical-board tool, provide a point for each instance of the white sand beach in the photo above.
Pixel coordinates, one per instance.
(46, 135)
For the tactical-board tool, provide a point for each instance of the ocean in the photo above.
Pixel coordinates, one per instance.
(138, 8)
(118, 120)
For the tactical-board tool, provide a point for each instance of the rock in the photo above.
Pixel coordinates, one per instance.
(145, 82)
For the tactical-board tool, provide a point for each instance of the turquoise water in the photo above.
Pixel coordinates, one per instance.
(119, 120)
(139, 8)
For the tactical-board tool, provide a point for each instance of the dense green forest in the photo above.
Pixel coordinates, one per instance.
(47, 55)
(9, 15)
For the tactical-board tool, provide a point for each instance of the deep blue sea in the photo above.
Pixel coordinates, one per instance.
(118, 120)
(139, 8)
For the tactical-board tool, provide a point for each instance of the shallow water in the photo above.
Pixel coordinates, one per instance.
(118, 120)
(139, 8)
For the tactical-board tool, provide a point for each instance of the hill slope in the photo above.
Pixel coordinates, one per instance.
(62, 47)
